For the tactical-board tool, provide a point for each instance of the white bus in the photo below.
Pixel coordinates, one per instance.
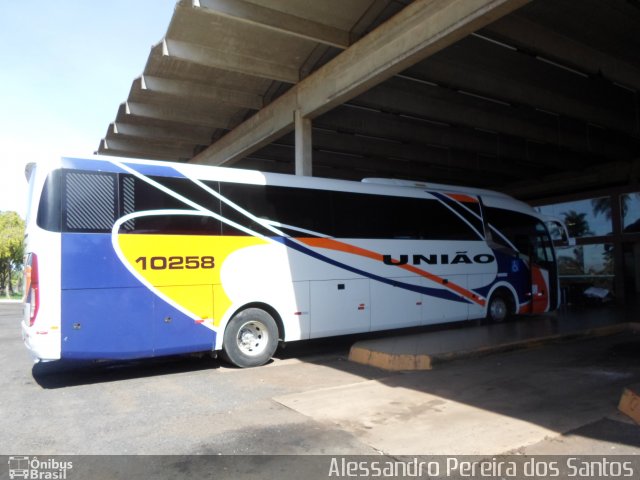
(129, 259)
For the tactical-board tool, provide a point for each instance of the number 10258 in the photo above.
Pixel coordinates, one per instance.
(176, 263)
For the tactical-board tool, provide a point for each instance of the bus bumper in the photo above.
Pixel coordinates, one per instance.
(43, 345)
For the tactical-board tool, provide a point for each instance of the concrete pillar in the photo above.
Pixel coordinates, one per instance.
(303, 144)
(618, 253)
(636, 264)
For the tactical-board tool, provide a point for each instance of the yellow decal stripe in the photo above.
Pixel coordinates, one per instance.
(185, 268)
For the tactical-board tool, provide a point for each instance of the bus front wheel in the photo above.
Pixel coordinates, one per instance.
(250, 339)
(498, 308)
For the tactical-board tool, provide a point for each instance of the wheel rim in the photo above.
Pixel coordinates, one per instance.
(498, 310)
(253, 338)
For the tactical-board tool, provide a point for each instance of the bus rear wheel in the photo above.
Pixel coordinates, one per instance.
(498, 308)
(250, 339)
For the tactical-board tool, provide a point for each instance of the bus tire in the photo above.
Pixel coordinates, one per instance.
(498, 308)
(250, 339)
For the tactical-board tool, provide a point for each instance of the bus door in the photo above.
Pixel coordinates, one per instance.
(543, 272)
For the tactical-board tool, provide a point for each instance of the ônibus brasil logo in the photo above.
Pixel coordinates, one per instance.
(36, 469)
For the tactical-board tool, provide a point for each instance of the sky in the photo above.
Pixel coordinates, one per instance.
(65, 67)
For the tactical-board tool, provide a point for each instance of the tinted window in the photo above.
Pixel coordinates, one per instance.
(512, 229)
(137, 195)
(343, 214)
(89, 201)
(92, 202)
(174, 225)
(468, 210)
(380, 216)
(194, 193)
(297, 207)
(49, 206)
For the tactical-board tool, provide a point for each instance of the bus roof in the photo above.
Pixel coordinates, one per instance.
(381, 186)
(432, 186)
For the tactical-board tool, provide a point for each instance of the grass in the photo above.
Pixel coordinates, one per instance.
(15, 296)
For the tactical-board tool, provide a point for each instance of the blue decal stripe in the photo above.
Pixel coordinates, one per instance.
(433, 292)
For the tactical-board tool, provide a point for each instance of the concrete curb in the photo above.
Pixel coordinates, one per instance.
(390, 361)
(403, 354)
(630, 402)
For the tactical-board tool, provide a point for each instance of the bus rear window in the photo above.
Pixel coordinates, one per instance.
(48, 217)
(74, 201)
(89, 201)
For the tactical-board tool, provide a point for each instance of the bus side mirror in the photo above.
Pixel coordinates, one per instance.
(28, 170)
(559, 233)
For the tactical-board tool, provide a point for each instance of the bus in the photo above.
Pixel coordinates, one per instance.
(129, 258)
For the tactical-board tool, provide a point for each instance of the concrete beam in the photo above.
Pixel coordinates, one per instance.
(327, 166)
(131, 147)
(196, 134)
(204, 91)
(275, 20)
(530, 36)
(597, 177)
(606, 25)
(358, 166)
(177, 148)
(172, 133)
(425, 154)
(371, 15)
(172, 114)
(227, 60)
(421, 132)
(419, 30)
(113, 152)
(199, 108)
(478, 66)
(303, 145)
(456, 108)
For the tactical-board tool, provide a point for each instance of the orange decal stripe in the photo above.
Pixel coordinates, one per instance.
(330, 244)
(461, 197)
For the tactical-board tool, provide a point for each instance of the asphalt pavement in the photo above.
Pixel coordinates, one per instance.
(555, 398)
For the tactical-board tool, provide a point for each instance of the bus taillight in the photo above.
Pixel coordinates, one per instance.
(32, 286)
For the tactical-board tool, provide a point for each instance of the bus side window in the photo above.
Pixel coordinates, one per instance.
(512, 230)
(137, 195)
(89, 201)
(298, 207)
(360, 215)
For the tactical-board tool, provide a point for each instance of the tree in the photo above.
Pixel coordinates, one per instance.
(577, 224)
(602, 206)
(11, 248)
